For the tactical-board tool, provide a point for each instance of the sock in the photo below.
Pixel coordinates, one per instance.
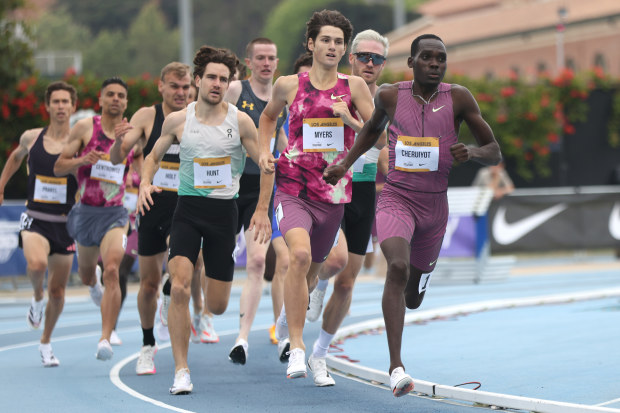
(321, 345)
(322, 285)
(148, 339)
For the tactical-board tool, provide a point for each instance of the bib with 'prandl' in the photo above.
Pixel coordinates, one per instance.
(323, 135)
(105, 171)
(212, 172)
(167, 176)
(416, 154)
(50, 190)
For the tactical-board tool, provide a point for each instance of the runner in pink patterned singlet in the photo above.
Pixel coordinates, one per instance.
(412, 211)
(309, 211)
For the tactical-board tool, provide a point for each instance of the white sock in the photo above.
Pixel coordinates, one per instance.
(322, 284)
(37, 304)
(321, 345)
(281, 325)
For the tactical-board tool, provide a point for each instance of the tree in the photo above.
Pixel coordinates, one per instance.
(15, 46)
(108, 55)
(58, 31)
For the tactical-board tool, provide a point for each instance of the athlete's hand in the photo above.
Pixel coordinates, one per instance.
(334, 173)
(461, 152)
(121, 129)
(91, 157)
(144, 197)
(341, 109)
(261, 226)
(267, 163)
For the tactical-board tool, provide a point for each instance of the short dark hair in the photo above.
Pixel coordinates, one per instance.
(304, 59)
(327, 18)
(416, 42)
(114, 80)
(60, 85)
(259, 40)
(242, 70)
(208, 54)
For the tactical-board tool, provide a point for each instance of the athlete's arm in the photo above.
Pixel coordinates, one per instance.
(385, 100)
(269, 120)
(16, 158)
(234, 92)
(282, 141)
(128, 134)
(67, 162)
(466, 109)
(171, 129)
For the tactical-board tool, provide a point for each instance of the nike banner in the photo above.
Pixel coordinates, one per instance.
(555, 219)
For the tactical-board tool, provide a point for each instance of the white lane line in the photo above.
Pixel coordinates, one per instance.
(476, 396)
(609, 402)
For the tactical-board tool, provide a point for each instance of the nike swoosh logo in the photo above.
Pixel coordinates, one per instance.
(438, 109)
(506, 233)
(336, 97)
(614, 221)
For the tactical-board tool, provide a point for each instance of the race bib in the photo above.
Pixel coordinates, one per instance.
(167, 176)
(50, 190)
(323, 135)
(416, 154)
(212, 172)
(279, 214)
(130, 199)
(425, 280)
(105, 171)
(358, 166)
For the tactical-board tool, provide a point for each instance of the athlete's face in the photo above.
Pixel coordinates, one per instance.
(113, 99)
(263, 62)
(429, 64)
(60, 107)
(329, 46)
(174, 90)
(370, 70)
(214, 83)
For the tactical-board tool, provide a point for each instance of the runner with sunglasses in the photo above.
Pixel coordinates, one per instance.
(367, 59)
(412, 211)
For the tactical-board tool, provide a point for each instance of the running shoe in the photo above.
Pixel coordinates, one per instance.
(283, 348)
(146, 362)
(239, 352)
(281, 328)
(296, 364)
(208, 334)
(96, 291)
(182, 383)
(104, 350)
(318, 367)
(272, 335)
(316, 305)
(195, 329)
(115, 340)
(400, 382)
(35, 313)
(47, 356)
(165, 301)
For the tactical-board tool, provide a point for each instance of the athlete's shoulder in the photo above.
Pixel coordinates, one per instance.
(234, 91)
(143, 116)
(287, 82)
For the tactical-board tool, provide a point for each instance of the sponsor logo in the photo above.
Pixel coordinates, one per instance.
(438, 109)
(614, 221)
(336, 97)
(506, 233)
(245, 104)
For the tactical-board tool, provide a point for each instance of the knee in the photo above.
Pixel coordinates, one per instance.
(255, 263)
(180, 288)
(218, 308)
(398, 271)
(149, 286)
(110, 274)
(56, 292)
(37, 265)
(344, 287)
(300, 257)
(334, 264)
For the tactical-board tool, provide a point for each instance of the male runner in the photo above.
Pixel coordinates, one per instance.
(99, 222)
(412, 212)
(43, 231)
(212, 135)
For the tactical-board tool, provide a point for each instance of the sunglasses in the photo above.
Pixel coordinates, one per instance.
(365, 57)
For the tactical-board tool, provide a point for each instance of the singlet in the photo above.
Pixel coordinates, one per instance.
(311, 119)
(252, 105)
(167, 176)
(47, 192)
(420, 137)
(102, 184)
(212, 157)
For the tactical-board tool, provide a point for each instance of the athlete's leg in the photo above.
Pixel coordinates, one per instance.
(277, 283)
(340, 301)
(58, 275)
(36, 250)
(150, 278)
(336, 260)
(181, 270)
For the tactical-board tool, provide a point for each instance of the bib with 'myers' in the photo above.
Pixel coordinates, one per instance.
(323, 135)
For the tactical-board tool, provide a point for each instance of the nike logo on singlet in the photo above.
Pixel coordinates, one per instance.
(336, 97)
(438, 109)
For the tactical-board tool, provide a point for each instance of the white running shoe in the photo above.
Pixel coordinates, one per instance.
(318, 367)
(47, 356)
(146, 362)
(115, 340)
(182, 383)
(104, 350)
(35, 313)
(194, 335)
(284, 346)
(207, 331)
(96, 291)
(281, 328)
(316, 305)
(296, 364)
(239, 352)
(400, 382)
(165, 302)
